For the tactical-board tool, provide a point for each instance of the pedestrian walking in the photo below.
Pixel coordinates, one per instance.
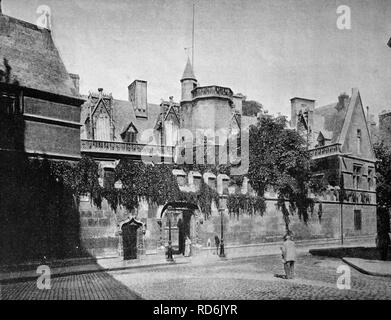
(288, 250)
(187, 247)
(382, 244)
(217, 243)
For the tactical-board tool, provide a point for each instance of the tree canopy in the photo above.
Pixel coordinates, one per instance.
(280, 160)
(383, 175)
(251, 107)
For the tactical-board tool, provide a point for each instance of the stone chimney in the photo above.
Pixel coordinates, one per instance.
(343, 101)
(238, 102)
(137, 92)
(76, 81)
(302, 106)
(1, 11)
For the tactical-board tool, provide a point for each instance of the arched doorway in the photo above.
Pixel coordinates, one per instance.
(129, 238)
(178, 222)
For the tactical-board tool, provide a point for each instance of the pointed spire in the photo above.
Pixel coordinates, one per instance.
(188, 73)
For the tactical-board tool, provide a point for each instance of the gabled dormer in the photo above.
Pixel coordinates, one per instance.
(170, 122)
(130, 134)
(100, 123)
(355, 137)
(323, 139)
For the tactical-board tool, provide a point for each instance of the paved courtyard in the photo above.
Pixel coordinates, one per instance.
(316, 278)
(251, 278)
(91, 286)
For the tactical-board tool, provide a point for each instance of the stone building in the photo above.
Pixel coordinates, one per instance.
(337, 135)
(46, 96)
(39, 119)
(42, 114)
(114, 129)
(340, 144)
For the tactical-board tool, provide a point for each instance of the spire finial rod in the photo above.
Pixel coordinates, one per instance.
(192, 48)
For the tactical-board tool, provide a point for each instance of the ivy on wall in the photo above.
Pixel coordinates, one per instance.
(154, 183)
(158, 185)
(237, 203)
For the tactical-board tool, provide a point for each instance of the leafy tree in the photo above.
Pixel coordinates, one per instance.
(383, 183)
(280, 160)
(251, 107)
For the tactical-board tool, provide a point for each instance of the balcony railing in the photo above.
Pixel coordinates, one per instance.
(326, 150)
(212, 91)
(124, 148)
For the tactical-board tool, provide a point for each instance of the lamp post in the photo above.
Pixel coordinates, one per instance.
(222, 254)
(340, 195)
(169, 248)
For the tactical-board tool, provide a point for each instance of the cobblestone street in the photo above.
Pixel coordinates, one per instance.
(91, 286)
(251, 278)
(316, 278)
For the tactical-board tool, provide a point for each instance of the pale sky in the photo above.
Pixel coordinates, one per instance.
(269, 50)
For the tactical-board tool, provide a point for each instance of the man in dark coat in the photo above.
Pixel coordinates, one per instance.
(217, 243)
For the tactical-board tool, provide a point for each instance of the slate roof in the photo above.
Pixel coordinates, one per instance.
(188, 73)
(123, 115)
(32, 58)
(329, 120)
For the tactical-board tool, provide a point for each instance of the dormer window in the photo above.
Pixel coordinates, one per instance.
(130, 135)
(321, 140)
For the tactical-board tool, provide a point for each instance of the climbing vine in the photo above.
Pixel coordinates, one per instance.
(158, 185)
(250, 204)
(154, 183)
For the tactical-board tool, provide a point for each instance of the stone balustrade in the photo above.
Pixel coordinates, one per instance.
(125, 148)
(212, 91)
(326, 150)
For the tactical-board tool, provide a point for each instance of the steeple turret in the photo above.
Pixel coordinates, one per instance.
(189, 82)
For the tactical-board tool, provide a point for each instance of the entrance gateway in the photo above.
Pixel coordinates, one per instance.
(184, 222)
(129, 238)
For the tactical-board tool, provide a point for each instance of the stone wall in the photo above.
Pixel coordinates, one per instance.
(100, 231)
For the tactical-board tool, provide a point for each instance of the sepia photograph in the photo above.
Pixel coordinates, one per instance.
(195, 153)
